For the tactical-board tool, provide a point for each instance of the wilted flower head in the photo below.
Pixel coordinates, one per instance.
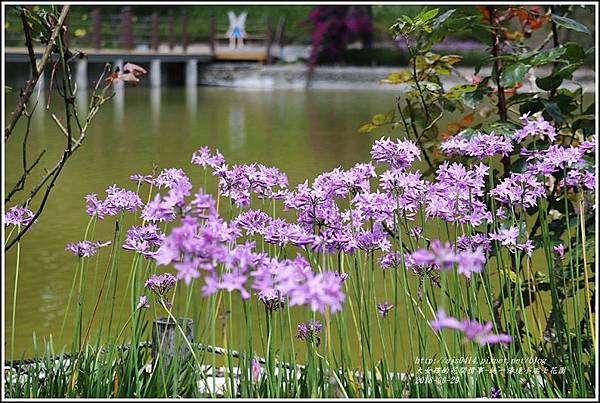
(17, 215)
(85, 248)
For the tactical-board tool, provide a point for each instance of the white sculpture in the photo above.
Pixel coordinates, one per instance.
(236, 31)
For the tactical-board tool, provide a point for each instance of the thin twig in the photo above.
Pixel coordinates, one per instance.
(29, 44)
(18, 112)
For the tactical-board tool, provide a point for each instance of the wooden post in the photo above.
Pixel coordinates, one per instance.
(269, 39)
(185, 40)
(166, 336)
(154, 33)
(171, 31)
(127, 29)
(95, 28)
(213, 34)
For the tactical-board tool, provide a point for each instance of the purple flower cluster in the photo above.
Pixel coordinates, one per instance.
(160, 284)
(480, 145)
(17, 215)
(522, 190)
(205, 158)
(533, 128)
(85, 248)
(397, 154)
(144, 239)
(457, 194)
(117, 200)
(472, 330)
(509, 237)
(444, 257)
(309, 331)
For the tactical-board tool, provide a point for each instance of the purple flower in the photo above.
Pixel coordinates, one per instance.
(392, 259)
(470, 261)
(473, 330)
(521, 190)
(495, 393)
(161, 284)
(443, 256)
(535, 127)
(85, 248)
(271, 298)
(143, 303)
(553, 159)
(509, 237)
(18, 216)
(559, 250)
(253, 221)
(384, 309)
(143, 239)
(320, 291)
(117, 200)
(138, 178)
(204, 157)
(256, 370)
(579, 179)
(397, 154)
(480, 145)
(309, 331)
(464, 242)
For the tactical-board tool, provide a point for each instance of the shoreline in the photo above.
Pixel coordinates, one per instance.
(296, 76)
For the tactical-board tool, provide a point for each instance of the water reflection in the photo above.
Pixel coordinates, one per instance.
(191, 100)
(237, 126)
(155, 107)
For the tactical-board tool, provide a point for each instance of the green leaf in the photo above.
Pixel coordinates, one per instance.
(472, 99)
(570, 24)
(549, 83)
(439, 20)
(568, 70)
(547, 56)
(553, 110)
(514, 74)
(427, 15)
(574, 51)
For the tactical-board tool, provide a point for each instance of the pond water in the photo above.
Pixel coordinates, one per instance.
(301, 132)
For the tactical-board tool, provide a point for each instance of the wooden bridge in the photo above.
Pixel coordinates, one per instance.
(156, 39)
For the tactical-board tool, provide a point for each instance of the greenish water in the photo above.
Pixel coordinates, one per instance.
(301, 132)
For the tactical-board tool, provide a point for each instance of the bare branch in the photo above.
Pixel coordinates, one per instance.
(29, 44)
(18, 112)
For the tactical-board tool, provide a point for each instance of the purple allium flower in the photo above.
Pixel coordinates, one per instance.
(85, 248)
(480, 145)
(271, 298)
(443, 256)
(579, 179)
(117, 200)
(204, 157)
(158, 210)
(253, 221)
(397, 154)
(376, 206)
(392, 259)
(342, 276)
(161, 284)
(309, 331)
(320, 291)
(464, 242)
(17, 215)
(202, 205)
(534, 127)
(143, 239)
(470, 261)
(553, 159)
(509, 237)
(138, 178)
(559, 250)
(521, 190)
(473, 330)
(457, 194)
(495, 393)
(256, 370)
(173, 178)
(384, 309)
(143, 303)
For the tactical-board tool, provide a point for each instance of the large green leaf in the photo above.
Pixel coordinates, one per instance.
(514, 74)
(549, 83)
(570, 24)
(547, 56)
